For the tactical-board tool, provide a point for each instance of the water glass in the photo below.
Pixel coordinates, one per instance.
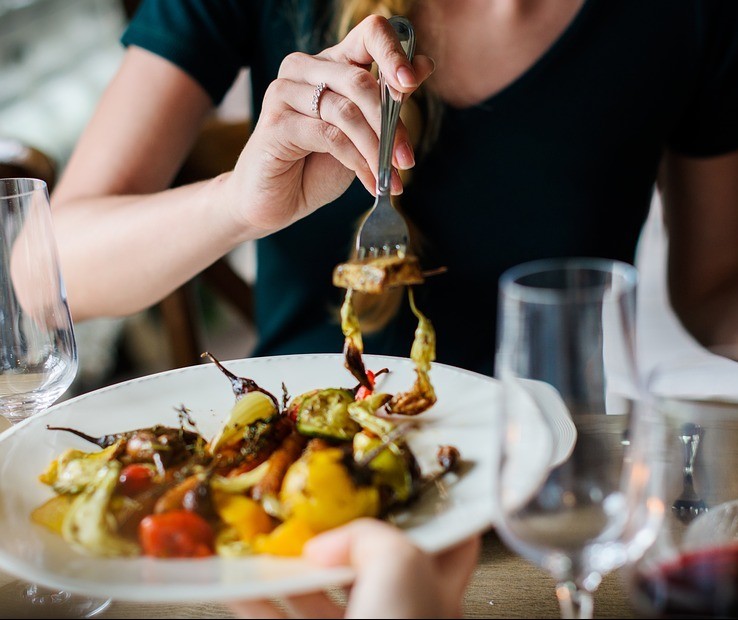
(38, 353)
(575, 491)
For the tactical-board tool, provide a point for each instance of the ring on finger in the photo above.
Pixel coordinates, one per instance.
(317, 93)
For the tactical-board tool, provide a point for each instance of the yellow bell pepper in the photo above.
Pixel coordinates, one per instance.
(319, 490)
(51, 513)
(243, 514)
(286, 539)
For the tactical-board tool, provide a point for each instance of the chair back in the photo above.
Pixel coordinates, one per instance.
(19, 159)
(215, 151)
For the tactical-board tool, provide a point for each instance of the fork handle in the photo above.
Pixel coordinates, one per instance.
(390, 110)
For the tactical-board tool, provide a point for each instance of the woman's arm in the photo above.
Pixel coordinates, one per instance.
(124, 242)
(700, 197)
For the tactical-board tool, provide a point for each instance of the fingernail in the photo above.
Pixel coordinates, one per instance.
(406, 77)
(396, 184)
(405, 157)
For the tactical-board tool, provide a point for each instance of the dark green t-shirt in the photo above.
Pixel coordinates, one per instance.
(560, 162)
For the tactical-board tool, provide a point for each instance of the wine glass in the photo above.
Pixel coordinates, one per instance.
(575, 492)
(692, 569)
(38, 353)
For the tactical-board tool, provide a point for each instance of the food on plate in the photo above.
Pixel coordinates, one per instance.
(421, 395)
(375, 275)
(276, 472)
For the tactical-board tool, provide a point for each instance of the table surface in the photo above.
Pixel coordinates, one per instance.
(503, 586)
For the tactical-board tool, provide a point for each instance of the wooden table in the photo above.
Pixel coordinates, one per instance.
(503, 586)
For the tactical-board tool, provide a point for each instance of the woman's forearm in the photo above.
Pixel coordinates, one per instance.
(120, 254)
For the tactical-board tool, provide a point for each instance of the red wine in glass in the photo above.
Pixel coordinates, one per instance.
(697, 584)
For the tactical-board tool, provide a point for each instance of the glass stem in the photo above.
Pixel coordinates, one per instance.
(574, 601)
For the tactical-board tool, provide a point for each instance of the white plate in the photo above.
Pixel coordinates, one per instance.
(466, 416)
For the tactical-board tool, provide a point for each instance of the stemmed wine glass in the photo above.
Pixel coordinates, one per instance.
(575, 492)
(38, 353)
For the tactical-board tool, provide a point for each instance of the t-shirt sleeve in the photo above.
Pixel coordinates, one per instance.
(210, 40)
(709, 125)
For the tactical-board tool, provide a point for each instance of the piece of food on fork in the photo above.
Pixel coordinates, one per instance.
(376, 275)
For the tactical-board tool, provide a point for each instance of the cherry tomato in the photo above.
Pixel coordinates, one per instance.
(291, 413)
(134, 479)
(176, 534)
(363, 391)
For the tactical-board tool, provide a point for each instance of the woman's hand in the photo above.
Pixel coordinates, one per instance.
(394, 579)
(298, 159)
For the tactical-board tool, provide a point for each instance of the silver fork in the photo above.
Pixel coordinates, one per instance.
(384, 231)
(689, 505)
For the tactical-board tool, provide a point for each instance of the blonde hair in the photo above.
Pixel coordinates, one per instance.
(421, 115)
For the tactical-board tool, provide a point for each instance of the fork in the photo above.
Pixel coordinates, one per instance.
(384, 231)
(689, 505)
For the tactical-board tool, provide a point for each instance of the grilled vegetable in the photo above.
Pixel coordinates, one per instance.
(51, 513)
(162, 445)
(286, 539)
(325, 414)
(363, 412)
(362, 391)
(395, 469)
(74, 470)
(185, 495)
(321, 490)
(353, 344)
(246, 516)
(89, 524)
(422, 395)
(253, 407)
(278, 464)
(240, 385)
(177, 534)
(136, 478)
(241, 482)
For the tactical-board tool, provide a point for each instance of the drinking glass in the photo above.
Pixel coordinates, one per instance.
(575, 492)
(692, 568)
(38, 354)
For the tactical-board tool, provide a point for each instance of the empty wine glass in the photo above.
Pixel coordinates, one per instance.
(38, 356)
(575, 492)
(38, 353)
(692, 569)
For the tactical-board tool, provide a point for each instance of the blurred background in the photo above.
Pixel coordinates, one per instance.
(56, 58)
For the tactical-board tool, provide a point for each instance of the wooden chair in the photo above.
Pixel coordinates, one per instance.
(215, 151)
(19, 159)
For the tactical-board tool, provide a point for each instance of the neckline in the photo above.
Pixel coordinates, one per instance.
(559, 43)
